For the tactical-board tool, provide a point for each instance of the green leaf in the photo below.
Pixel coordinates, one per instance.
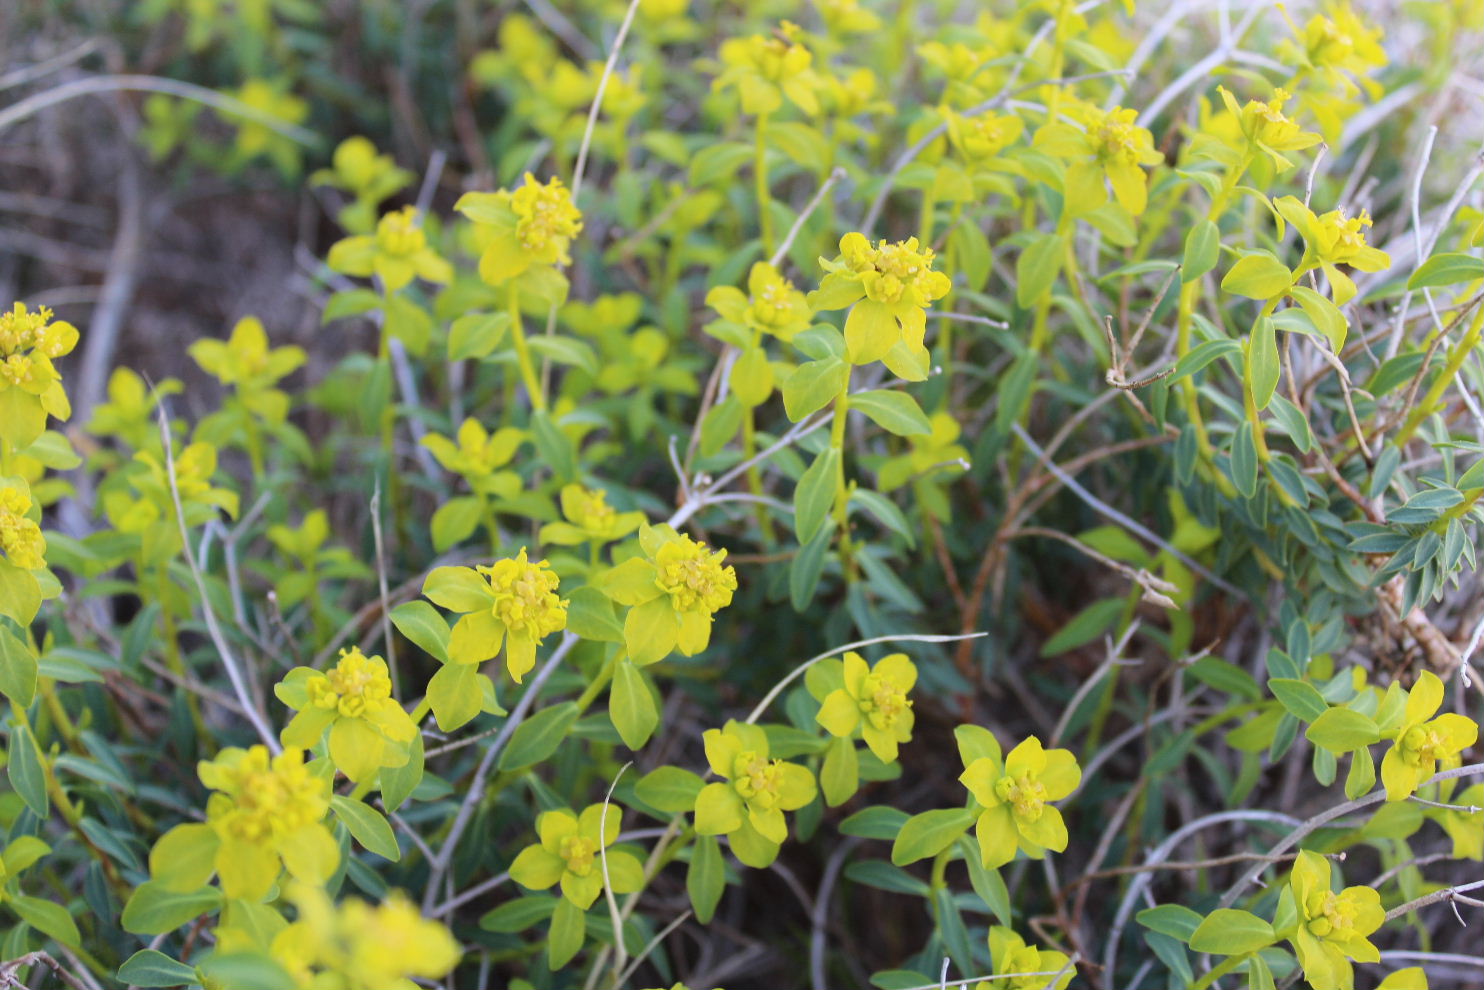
(813, 385)
(424, 627)
(1037, 267)
(815, 494)
(720, 425)
(17, 667)
(1258, 276)
(839, 775)
(876, 822)
(539, 736)
(410, 323)
(807, 566)
(25, 771)
(1084, 627)
(590, 615)
(454, 695)
(1174, 920)
(631, 706)
(555, 448)
(244, 971)
(706, 878)
(1203, 354)
(154, 909)
(1341, 730)
(455, 521)
(1244, 460)
(566, 350)
(351, 302)
(890, 516)
(369, 826)
(47, 917)
(1263, 369)
(1202, 249)
(1446, 269)
(398, 783)
(518, 915)
(883, 876)
(987, 883)
(668, 788)
(1301, 698)
(1227, 932)
(568, 928)
(1325, 315)
(476, 335)
(951, 927)
(930, 833)
(895, 412)
(1361, 776)
(151, 968)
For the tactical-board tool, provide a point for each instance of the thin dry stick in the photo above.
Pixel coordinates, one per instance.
(381, 584)
(620, 951)
(234, 673)
(1446, 894)
(19, 111)
(836, 174)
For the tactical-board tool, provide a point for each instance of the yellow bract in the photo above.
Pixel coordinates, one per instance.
(514, 602)
(267, 812)
(1111, 147)
(766, 69)
(889, 287)
(1015, 796)
(1027, 966)
(532, 227)
(873, 700)
(20, 536)
(368, 728)
(570, 853)
(1422, 743)
(771, 305)
(1267, 128)
(30, 385)
(358, 946)
(674, 591)
(750, 805)
(478, 455)
(589, 519)
(397, 253)
(1332, 928)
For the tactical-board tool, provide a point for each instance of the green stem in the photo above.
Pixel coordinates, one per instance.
(1456, 357)
(764, 198)
(842, 493)
(1227, 965)
(523, 352)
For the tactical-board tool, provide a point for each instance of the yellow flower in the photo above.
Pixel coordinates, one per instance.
(20, 536)
(30, 386)
(983, 136)
(513, 602)
(749, 807)
(888, 288)
(1421, 743)
(1008, 953)
(267, 814)
(358, 946)
(873, 700)
(397, 253)
(532, 227)
(1111, 146)
(357, 168)
(1266, 127)
(847, 17)
(368, 728)
(245, 361)
(1465, 828)
(1338, 40)
(674, 592)
(772, 305)
(478, 456)
(256, 138)
(766, 69)
(1015, 795)
(1332, 928)
(589, 519)
(570, 853)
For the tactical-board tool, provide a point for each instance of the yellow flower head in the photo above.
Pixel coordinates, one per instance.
(368, 728)
(589, 518)
(1422, 742)
(267, 811)
(359, 946)
(765, 69)
(749, 806)
(1112, 147)
(1340, 40)
(30, 386)
(1267, 128)
(570, 853)
(1016, 794)
(847, 17)
(397, 253)
(983, 136)
(674, 591)
(695, 578)
(478, 455)
(873, 700)
(513, 602)
(772, 305)
(245, 359)
(1034, 966)
(889, 287)
(1332, 928)
(534, 226)
(1333, 239)
(1464, 827)
(20, 536)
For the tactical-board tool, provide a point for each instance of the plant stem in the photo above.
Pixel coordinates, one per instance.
(842, 493)
(523, 353)
(760, 173)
